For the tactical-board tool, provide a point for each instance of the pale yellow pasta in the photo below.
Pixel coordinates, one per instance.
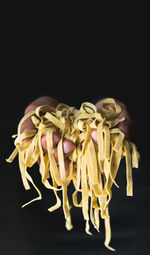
(93, 167)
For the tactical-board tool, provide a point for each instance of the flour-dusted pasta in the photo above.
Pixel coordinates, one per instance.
(93, 167)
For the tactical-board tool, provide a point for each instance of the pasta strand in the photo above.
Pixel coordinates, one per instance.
(93, 166)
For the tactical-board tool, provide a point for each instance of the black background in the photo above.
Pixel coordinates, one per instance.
(73, 66)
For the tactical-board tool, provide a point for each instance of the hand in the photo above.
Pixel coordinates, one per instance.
(124, 126)
(68, 146)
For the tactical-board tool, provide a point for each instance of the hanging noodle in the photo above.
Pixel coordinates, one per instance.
(93, 167)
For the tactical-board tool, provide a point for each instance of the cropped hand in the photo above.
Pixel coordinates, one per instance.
(68, 145)
(124, 126)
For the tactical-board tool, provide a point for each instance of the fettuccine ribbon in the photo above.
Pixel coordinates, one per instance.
(93, 167)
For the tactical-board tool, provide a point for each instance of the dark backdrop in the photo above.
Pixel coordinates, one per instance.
(33, 230)
(73, 70)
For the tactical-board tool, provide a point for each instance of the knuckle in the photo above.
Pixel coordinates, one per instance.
(30, 108)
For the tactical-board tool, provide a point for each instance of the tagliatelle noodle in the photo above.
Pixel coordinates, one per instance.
(92, 168)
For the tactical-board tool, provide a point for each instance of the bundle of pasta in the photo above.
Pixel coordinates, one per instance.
(93, 167)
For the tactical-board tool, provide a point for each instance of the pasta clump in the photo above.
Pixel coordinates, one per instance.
(93, 167)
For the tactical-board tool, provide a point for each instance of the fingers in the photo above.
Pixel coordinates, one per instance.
(124, 126)
(68, 145)
(28, 124)
(94, 135)
(41, 101)
(56, 139)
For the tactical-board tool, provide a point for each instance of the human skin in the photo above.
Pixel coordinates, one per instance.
(68, 145)
(124, 126)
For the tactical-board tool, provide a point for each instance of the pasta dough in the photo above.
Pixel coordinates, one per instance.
(93, 167)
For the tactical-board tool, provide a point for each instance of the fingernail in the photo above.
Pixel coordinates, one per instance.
(94, 135)
(68, 146)
(56, 139)
(26, 129)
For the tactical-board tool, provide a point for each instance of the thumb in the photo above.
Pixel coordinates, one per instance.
(26, 126)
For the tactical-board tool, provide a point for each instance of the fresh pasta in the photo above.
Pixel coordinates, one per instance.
(92, 168)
